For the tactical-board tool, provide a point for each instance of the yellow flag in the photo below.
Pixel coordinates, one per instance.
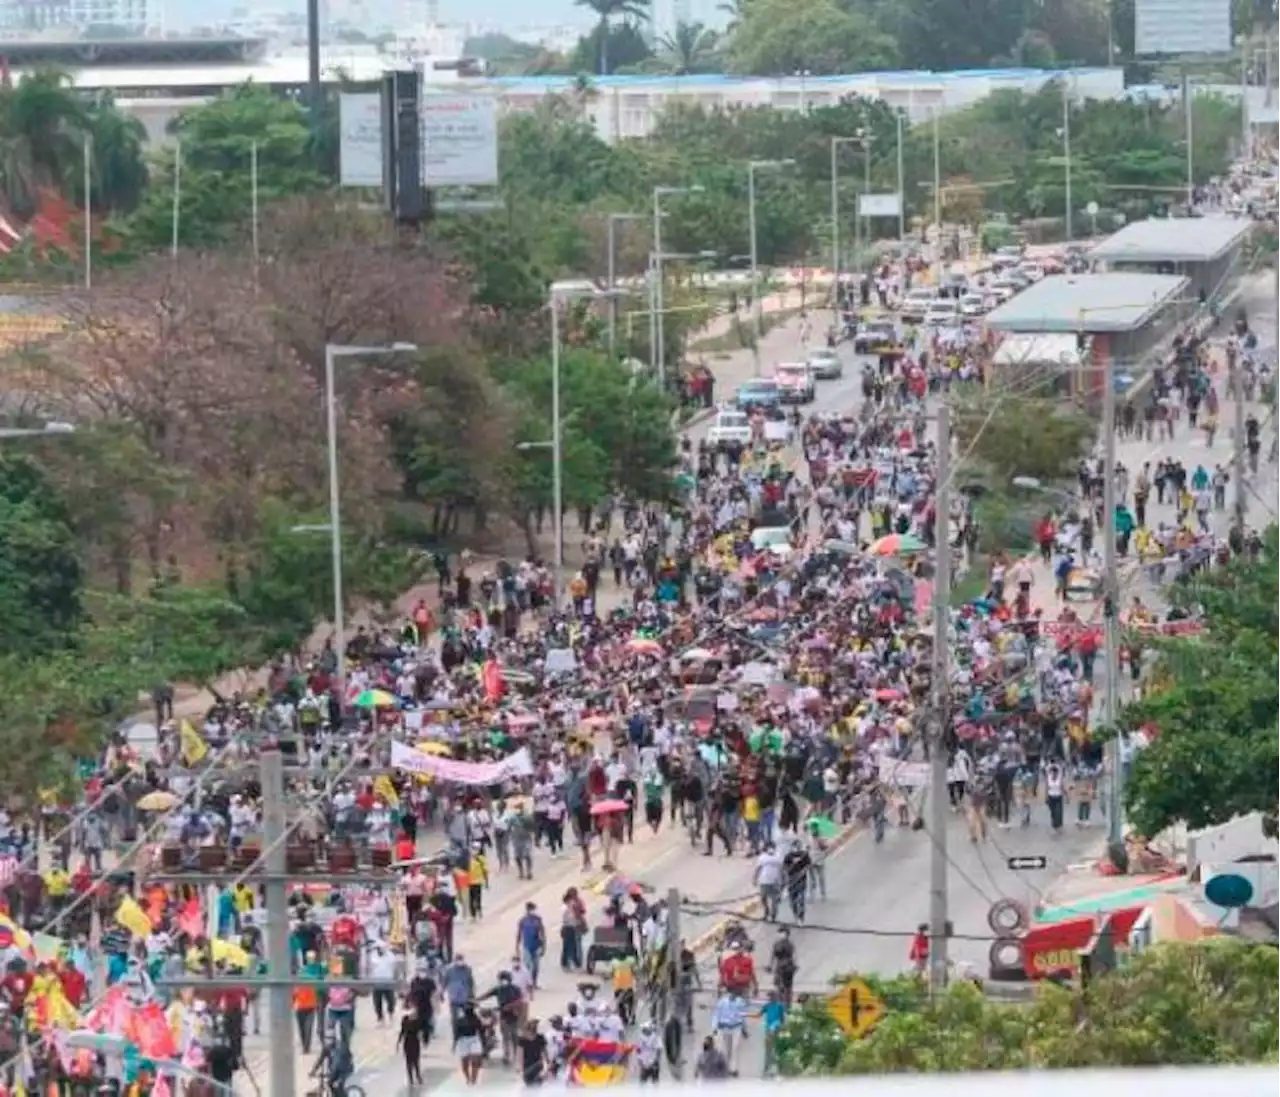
(133, 917)
(383, 788)
(194, 748)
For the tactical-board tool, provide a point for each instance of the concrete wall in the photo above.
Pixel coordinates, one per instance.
(1241, 837)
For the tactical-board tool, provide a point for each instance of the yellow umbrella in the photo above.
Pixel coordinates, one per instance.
(431, 747)
(157, 801)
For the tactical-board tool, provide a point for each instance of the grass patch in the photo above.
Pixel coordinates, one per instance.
(738, 337)
(973, 584)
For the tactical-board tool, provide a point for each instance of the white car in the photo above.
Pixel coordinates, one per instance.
(776, 540)
(730, 427)
(973, 305)
(824, 364)
(916, 303)
(1032, 271)
(1002, 290)
(941, 313)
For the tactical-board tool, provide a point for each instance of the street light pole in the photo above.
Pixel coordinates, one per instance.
(557, 463)
(835, 226)
(332, 352)
(902, 193)
(658, 194)
(937, 200)
(752, 167)
(1066, 152)
(612, 245)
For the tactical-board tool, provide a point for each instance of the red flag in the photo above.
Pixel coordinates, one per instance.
(492, 680)
(190, 920)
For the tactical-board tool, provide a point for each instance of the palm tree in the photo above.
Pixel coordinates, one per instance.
(119, 167)
(688, 48)
(736, 10)
(607, 11)
(42, 123)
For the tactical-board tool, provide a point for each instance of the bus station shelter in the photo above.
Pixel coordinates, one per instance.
(1120, 320)
(1206, 250)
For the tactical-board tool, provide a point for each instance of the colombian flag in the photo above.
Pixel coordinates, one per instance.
(598, 1062)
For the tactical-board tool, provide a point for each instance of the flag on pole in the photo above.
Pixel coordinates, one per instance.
(194, 748)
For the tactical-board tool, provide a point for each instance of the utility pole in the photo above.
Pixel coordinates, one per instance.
(1066, 154)
(937, 199)
(1110, 606)
(1275, 379)
(673, 963)
(941, 679)
(1237, 460)
(274, 833)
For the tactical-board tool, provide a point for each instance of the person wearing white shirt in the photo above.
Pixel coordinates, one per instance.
(769, 881)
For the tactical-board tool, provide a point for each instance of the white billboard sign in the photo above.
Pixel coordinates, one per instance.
(460, 141)
(1182, 27)
(879, 205)
(360, 139)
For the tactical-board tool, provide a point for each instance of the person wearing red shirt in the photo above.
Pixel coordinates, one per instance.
(738, 971)
(918, 954)
(345, 932)
(16, 986)
(405, 848)
(73, 984)
(1046, 533)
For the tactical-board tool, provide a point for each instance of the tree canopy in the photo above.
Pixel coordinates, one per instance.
(1173, 1004)
(1211, 710)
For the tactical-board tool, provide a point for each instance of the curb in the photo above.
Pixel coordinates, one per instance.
(753, 907)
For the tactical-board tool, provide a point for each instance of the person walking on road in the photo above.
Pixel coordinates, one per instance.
(531, 941)
(410, 1044)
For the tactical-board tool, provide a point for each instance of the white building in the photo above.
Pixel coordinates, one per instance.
(620, 107)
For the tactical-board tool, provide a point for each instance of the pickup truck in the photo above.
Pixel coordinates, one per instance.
(730, 427)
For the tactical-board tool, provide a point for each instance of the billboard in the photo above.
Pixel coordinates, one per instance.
(1182, 27)
(360, 139)
(459, 141)
(879, 205)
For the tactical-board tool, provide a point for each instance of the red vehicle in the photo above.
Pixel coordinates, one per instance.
(795, 383)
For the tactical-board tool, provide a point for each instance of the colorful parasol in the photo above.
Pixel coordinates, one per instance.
(897, 544)
(375, 698)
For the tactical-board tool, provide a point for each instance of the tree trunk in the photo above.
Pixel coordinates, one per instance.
(526, 526)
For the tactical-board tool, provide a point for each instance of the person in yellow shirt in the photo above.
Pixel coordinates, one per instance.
(477, 881)
(243, 898)
(624, 989)
(751, 816)
(57, 883)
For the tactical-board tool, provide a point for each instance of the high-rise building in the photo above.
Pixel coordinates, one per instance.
(136, 17)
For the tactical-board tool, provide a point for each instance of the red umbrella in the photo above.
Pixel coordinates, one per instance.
(608, 807)
(888, 695)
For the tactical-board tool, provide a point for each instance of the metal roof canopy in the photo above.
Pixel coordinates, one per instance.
(1102, 303)
(1172, 240)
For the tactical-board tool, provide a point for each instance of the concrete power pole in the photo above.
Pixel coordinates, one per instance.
(941, 708)
(1111, 609)
(279, 997)
(673, 963)
(1237, 459)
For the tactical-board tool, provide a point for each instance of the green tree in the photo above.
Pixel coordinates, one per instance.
(1212, 705)
(118, 167)
(40, 570)
(621, 46)
(42, 123)
(1022, 436)
(606, 12)
(1174, 1004)
(689, 48)
(781, 37)
(215, 178)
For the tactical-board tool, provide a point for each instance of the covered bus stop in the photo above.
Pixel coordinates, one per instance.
(1206, 250)
(1120, 320)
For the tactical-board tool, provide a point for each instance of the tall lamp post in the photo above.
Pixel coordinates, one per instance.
(614, 220)
(332, 353)
(754, 166)
(1065, 133)
(559, 293)
(659, 193)
(836, 142)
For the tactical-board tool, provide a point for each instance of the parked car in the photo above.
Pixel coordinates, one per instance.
(825, 364)
(973, 305)
(941, 313)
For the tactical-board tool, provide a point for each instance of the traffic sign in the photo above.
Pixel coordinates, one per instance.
(1024, 864)
(856, 1008)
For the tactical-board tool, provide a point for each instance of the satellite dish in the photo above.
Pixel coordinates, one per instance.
(1228, 891)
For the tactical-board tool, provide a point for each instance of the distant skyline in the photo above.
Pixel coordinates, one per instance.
(494, 13)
